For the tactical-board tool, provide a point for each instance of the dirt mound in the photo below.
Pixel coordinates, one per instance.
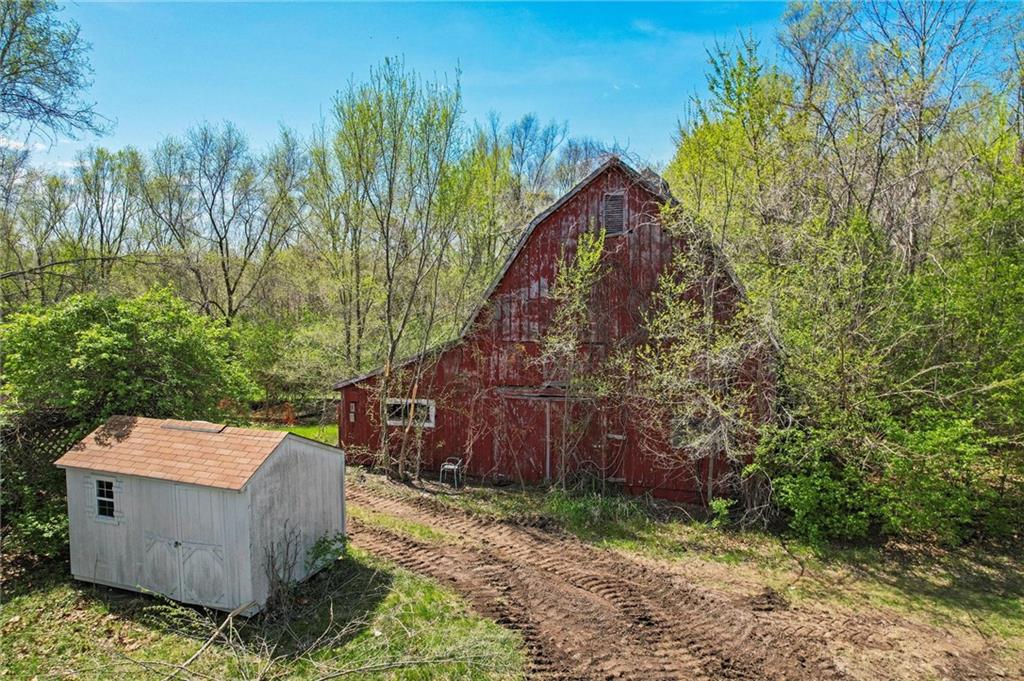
(769, 600)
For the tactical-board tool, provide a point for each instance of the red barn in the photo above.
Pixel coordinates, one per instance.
(485, 398)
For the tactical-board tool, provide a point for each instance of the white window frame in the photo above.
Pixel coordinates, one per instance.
(428, 405)
(114, 499)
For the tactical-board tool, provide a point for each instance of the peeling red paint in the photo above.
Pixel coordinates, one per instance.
(494, 408)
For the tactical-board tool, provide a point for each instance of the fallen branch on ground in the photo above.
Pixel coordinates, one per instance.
(400, 664)
(227, 620)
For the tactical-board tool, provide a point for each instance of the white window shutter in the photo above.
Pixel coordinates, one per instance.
(89, 498)
(118, 499)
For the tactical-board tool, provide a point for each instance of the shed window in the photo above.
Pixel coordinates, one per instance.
(105, 498)
(401, 412)
(351, 412)
(613, 213)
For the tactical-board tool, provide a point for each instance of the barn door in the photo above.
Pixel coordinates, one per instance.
(201, 536)
(556, 420)
(522, 446)
(161, 567)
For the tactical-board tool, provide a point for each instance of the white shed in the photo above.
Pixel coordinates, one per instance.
(195, 510)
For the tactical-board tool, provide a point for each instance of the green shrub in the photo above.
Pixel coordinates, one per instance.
(68, 367)
(90, 357)
(720, 509)
(38, 528)
(823, 499)
(933, 478)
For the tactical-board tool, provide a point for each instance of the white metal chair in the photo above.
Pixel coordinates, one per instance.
(453, 465)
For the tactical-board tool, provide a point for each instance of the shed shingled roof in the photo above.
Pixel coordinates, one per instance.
(192, 452)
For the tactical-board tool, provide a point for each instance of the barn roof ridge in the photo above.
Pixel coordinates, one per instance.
(659, 188)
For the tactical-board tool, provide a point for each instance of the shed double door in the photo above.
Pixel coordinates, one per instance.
(183, 543)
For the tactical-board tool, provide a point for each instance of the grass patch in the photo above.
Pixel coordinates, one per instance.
(614, 521)
(360, 616)
(326, 432)
(400, 525)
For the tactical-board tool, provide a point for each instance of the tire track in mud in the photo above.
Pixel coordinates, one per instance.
(584, 612)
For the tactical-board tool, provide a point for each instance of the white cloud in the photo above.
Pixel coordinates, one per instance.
(17, 145)
(8, 143)
(645, 26)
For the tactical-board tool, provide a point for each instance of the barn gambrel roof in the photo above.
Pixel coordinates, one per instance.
(649, 180)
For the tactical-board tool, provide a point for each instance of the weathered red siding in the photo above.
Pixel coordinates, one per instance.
(496, 412)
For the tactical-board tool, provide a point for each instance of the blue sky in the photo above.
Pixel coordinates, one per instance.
(617, 72)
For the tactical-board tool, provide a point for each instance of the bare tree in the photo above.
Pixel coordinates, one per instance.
(885, 85)
(108, 206)
(227, 212)
(398, 139)
(335, 230)
(41, 247)
(44, 71)
(533, 147)
(577, 157)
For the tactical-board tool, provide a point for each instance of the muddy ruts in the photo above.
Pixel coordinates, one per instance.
(585, 612)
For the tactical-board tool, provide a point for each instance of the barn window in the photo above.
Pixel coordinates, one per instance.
(351, 412)
(613, 213)
(105, 498)
(401, 412)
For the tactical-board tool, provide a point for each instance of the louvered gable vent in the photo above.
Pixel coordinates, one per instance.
(614, 213)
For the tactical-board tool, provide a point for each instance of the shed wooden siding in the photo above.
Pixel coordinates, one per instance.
(207, 545)
(493, 407)
(294, 493)
(114, 552)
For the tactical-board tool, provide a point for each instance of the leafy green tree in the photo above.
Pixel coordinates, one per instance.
(565, 358)
(702, 375)
(69, 366)
(867, 192)
(399, 141)
(90, 357)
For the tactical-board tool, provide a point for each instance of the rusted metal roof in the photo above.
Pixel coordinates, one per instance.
(192, 452)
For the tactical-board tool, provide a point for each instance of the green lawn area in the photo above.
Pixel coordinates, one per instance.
(400, 525)
(358, 619)
(364, 618)
(327, 432)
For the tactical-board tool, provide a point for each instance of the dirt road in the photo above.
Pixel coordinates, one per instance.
(589, 613)
(585, 612)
